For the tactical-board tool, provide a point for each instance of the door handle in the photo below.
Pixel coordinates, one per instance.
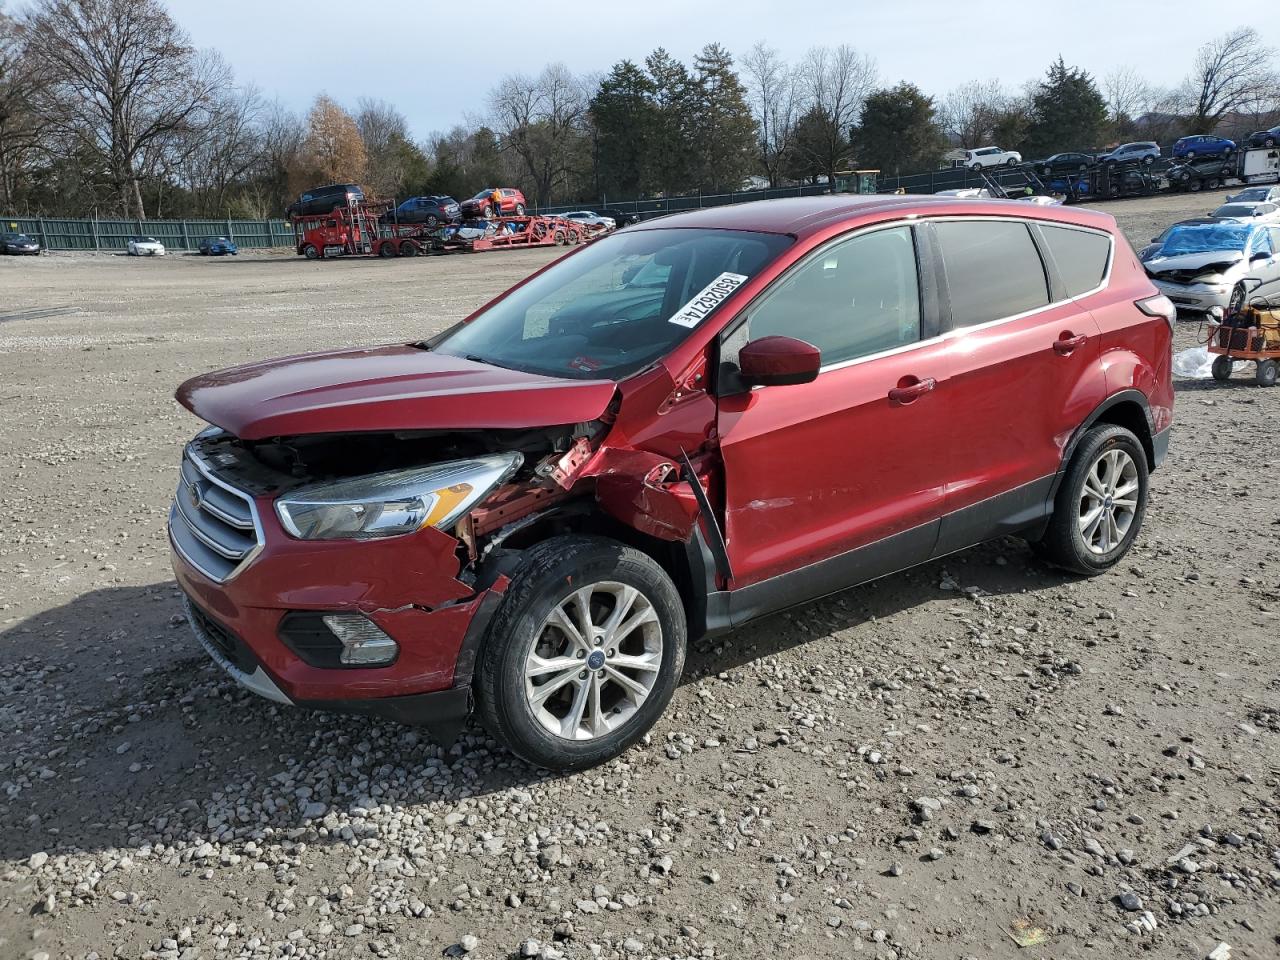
(1066, 343)
(910, 389)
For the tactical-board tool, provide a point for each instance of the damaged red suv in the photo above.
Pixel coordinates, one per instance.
(667, 433)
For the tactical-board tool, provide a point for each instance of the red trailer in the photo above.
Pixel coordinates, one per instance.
(362, 230)
(511, 232)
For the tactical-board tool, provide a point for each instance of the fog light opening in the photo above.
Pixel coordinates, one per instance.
(364, 644)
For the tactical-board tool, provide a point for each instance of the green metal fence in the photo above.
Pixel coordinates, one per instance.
(175, 234)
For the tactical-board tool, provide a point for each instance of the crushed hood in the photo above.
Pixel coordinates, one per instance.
(1199, 262)
(396, 387)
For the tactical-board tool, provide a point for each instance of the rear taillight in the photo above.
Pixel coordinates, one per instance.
(1159, 306)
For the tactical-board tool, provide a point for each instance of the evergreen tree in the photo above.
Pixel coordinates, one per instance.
(624, 118)
(672, 162)
(1067, 112)
(898, 131)
(723, 129)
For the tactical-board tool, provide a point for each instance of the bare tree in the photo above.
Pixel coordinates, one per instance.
(542, 120)
(393, 157)
(119, 76)
(229, 148)
(1230, 72)
(776, 97)
(836, 82)
(971, 112)
(1128, 96)
(20, 128)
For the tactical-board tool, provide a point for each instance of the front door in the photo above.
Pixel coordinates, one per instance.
(858, 457)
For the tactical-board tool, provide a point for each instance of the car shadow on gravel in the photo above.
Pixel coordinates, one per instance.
(127, 735)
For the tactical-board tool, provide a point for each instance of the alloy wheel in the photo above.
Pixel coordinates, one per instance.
(1108, 501)
(594, 661)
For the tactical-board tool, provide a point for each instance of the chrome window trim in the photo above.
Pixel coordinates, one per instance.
(956, 332)
(190, 454)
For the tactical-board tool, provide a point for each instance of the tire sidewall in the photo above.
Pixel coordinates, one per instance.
(533, 594)
(1098, 441)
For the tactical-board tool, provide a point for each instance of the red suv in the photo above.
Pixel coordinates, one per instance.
(686, 425)
(481, 205)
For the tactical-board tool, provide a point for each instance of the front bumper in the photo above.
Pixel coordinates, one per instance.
(1195, 296)
(443, 713)
(404, 585)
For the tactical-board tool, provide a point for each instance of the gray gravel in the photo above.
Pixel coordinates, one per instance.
(922, 767)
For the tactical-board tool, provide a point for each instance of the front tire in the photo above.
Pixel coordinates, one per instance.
(310, 252)
(1100, 506)
(1221, 368)
(583, 655)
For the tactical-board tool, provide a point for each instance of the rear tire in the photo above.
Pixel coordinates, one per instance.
(408, 249)
(387, 251)
(1266, 374)
(1222, 369)
(1100, 506)
(594, 712)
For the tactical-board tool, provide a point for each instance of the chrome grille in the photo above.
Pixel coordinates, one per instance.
(212, 524)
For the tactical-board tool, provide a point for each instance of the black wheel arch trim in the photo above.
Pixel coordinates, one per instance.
(1148, 441)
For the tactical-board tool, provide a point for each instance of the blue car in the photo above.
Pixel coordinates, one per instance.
(217, 247)
(1203, 145)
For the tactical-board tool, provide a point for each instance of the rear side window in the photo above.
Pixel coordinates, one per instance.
(1081, 256)
(993, 270)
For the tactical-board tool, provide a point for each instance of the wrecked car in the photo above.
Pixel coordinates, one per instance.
(1222, 264)
(666, 434)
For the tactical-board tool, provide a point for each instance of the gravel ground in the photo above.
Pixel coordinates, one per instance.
(929, 766)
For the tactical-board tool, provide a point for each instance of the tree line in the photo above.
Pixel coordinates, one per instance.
(107, 108)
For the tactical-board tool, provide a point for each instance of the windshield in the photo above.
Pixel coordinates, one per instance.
(1253, 193)
(1235, 210)
(616, 306)
(483, 194)
(1206, 239)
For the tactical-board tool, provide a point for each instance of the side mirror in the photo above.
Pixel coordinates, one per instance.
(1260, 255)
(778, 361)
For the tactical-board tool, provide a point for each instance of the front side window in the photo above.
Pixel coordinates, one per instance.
(857, 297)
(993, 270)
(617, 306)
(1081, 257)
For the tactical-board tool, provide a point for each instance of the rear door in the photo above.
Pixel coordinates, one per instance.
(1025, 369)
(818, 470)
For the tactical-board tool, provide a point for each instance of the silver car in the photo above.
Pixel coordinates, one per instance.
(1248, 210)
(1262, 194)
(1202, 266)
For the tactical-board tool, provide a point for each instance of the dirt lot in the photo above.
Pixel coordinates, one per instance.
(908, 769)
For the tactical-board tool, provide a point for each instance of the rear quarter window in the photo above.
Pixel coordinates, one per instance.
(993, 270)
(1081, 257)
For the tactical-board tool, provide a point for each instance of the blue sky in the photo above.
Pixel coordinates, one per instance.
(431, 59)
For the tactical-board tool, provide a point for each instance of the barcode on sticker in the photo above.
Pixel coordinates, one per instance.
(707, 299)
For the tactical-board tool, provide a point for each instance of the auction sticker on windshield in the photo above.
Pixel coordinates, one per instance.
(707, 299)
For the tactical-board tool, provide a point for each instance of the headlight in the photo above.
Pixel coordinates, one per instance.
(396, 502)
